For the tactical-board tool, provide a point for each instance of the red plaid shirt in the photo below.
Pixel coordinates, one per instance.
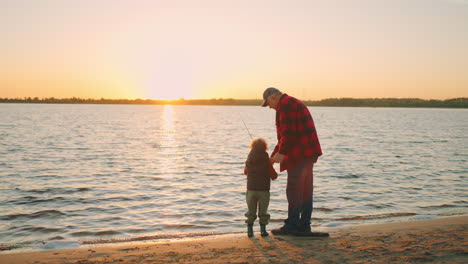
(295, 128)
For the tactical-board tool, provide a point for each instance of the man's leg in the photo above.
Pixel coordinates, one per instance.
(295, 193)
(308, 189)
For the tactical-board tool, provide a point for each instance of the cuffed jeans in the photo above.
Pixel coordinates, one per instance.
(262, 199)
(299, 192)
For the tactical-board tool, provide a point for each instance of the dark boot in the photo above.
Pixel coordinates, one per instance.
(263, 231)
(250, 230)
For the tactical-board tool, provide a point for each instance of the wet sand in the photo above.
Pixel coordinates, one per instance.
(442, 240)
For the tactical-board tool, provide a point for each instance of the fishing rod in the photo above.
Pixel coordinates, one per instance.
(246, 128)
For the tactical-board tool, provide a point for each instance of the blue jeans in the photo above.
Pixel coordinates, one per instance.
(299, 192)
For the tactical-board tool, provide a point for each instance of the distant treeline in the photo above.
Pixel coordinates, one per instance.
(347, 102)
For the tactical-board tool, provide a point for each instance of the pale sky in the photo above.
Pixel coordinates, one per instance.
(234, 48)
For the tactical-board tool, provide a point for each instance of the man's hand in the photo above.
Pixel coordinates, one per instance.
(277, 158)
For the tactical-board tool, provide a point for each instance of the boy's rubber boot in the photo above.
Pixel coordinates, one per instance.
(250, 230)
(263, 231)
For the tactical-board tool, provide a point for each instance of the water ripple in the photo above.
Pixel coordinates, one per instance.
(40, 214)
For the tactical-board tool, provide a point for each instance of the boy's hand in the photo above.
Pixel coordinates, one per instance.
(272, 172)
(245, 170)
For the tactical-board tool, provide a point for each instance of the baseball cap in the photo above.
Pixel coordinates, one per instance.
(267, 93)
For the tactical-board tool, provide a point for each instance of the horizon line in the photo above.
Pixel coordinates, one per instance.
(210, 99)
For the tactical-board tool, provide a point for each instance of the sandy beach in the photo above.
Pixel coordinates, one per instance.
(441, 240)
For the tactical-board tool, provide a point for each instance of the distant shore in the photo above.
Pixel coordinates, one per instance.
(441, 240)
(333, 102)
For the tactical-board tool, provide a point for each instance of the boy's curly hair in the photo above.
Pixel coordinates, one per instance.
(259, 143)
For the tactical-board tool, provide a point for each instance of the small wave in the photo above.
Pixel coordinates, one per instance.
(379, 206)
(348, 176)
(90, 209)
(223, 214)
(45, 176)
(335, 224)
(137, 230)
(58, 190)
(90, 234)
(83, 189)
(155, 145)
(190, 190)
(40, 214)
(13, 150)
(109, 219)
(4, 247)
(425, 217)
(40, 229)
(153, 237)
(57, 238)
(59, 244)
(178, 226)
(429, 141)
(187, 172)
(101, 174)
(115, 199)
(31, 200)
(435, 207)
(373, 217)
(69, 148)
(344, 149)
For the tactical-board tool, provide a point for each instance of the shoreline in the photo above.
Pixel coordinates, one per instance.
(440, 240)
(182, 236)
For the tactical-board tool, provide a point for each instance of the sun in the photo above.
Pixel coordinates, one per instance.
(171, 84)
(170, 89)
(168, 94)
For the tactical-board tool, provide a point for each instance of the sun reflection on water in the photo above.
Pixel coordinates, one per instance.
(168, 118)
(168, 140)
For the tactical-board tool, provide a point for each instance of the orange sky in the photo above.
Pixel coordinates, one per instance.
(234, 49)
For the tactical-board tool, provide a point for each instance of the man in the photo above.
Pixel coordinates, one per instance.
(297, 150)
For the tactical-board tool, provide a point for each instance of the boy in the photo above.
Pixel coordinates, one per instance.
(259, 171)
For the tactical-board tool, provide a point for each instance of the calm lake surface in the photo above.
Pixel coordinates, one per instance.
(108, 173)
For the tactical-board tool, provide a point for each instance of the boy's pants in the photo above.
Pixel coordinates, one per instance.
(262, 199)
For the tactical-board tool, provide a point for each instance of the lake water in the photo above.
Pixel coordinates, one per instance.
(109, 173)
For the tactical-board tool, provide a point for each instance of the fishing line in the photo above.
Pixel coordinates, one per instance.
(246, 128)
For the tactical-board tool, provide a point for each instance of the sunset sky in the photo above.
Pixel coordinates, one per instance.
(234, 48)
